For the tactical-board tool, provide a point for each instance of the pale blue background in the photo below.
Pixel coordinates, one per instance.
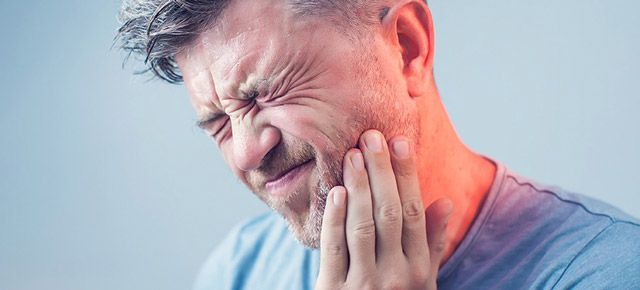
(106, 184)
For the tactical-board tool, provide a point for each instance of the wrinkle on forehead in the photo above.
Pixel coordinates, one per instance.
(249, 46)
(198, 80)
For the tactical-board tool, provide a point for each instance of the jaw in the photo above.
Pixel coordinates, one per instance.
(304, 212)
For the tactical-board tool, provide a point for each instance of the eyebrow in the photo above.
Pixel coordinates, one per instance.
(203, 122)
(252, 90)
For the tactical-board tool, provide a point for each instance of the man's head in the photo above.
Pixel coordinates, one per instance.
(286, 87)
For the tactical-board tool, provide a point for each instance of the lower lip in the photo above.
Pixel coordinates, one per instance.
(284, 185)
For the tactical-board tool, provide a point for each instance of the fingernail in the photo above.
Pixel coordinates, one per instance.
(373, 142)
(401, 148)
(357, 161)
(338, 197)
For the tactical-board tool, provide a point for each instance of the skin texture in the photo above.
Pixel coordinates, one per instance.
(383, 243)
(299, 83)
(276, 92)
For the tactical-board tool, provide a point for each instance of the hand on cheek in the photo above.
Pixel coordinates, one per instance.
(374, 233)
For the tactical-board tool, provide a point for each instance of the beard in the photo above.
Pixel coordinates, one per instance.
(306, 229)
(378, 107)
(304, 208)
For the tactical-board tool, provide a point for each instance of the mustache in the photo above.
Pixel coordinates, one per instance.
(280, 160)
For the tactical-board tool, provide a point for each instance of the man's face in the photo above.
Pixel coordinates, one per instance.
(285, 97)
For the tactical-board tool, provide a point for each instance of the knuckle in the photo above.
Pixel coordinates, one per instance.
(331, 224)
(330, 220)
(334, 250)
(364, 230)
(419, 276)
(413, 210)
(438, 246)
(389, 214)
(404, 169)
(381, 160)
(358, 183)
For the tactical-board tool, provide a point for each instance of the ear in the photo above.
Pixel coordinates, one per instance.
(408, 26)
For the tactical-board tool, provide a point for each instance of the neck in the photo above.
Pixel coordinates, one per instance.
(448, 169)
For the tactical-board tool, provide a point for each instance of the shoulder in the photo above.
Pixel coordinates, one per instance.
(562, 199)
(594, 243)
(239, 251)
(528, 233)
(259, 253)
(571, 215)
(611, 260)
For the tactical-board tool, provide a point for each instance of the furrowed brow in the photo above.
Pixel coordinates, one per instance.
(251, 89)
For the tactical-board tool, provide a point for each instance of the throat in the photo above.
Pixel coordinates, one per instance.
(467, 186)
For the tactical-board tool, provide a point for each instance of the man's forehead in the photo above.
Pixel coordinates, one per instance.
(249, 15)
(249, 43)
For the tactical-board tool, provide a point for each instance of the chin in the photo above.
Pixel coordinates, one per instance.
(303, 210)
(307, 225)
(304, 215)
(307, 232)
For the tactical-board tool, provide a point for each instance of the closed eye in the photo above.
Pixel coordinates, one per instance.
(223, 121)
(208, 120)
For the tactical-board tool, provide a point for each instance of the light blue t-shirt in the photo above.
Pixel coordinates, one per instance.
(526, 235)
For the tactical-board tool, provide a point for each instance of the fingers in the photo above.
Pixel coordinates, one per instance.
(380, 232)
(360, 226)
(437, 215)
(333, 246)
(387, 210)
(414, 237)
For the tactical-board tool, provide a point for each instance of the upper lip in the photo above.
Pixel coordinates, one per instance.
(282, 173)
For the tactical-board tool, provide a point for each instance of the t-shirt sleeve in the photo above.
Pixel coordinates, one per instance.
(610, 261)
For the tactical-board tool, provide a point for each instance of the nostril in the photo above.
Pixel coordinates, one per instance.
(252, 146)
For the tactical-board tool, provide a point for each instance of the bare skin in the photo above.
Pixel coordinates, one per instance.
(377, 240)
(280, 94)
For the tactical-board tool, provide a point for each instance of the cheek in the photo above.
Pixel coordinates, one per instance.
(321, 128)
(330, 132)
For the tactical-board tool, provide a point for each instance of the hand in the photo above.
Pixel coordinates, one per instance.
(374, 234)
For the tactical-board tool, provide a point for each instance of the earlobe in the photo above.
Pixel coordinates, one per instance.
(409, 26)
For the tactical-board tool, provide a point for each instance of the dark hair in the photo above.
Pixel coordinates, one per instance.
(158, 29)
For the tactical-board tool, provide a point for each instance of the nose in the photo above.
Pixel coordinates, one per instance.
(252, 142)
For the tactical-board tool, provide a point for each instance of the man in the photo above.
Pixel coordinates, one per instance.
(328, 111)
